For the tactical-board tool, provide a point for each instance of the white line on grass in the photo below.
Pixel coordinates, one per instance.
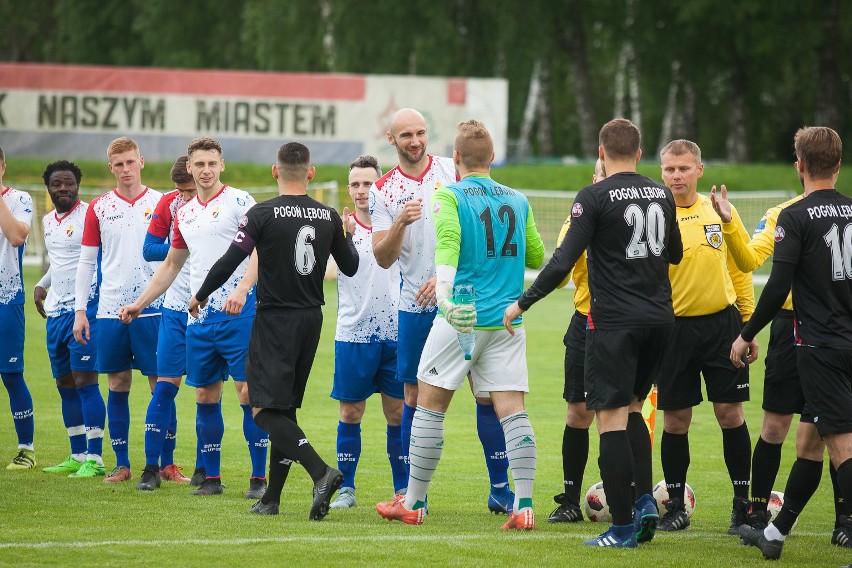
(688, 534)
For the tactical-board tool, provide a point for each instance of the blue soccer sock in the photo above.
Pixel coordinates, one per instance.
(167, 457)
(118, 418)
(157, 420)
(257, 441)
(94, 417)
(21, 403)
(394, 446)
(199, 443)
(493, 444)
(212, 431)
(72, 416)
(405, 431)
(348, 451)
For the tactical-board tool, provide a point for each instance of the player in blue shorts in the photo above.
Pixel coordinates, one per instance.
(161, 417)
(365, 343)
(114, 231)
(74, 364)
(218, 339)
(16, 214)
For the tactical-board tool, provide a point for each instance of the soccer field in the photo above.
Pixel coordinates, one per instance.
(49, 520)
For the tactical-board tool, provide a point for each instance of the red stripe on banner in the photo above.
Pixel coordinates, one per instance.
(456, 91)
(183, 81)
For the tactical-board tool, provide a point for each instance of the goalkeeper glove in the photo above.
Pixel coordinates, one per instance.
(461, 316)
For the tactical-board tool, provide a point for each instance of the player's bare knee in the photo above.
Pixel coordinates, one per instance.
(839, 447)
(677, 421)
(775, 427)
(352, 412)
(579, 416)
(729, 415)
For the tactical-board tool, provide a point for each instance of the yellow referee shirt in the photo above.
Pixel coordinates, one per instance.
(580, 275)
(707, 280)
(750, 254)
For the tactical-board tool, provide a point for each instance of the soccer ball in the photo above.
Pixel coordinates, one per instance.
(596, 508)
(661, 494)
(776, 501)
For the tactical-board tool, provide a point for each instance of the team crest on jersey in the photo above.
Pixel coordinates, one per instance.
(69, 232)
(577, 210)
(779, 234)
(713, 233)
(149, 214)
(244, 221)
(437, 186)
(216, 213)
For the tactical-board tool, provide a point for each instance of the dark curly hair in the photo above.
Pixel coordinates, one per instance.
(62, 166)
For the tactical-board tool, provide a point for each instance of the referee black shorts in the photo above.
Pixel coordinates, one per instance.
(575, 354)
(280, 356)
(701, 345)
(622, 363)
(827, 383)
(782, 388)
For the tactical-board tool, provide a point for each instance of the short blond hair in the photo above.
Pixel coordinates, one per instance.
(474, 144)
(680, 147)
(121, 145)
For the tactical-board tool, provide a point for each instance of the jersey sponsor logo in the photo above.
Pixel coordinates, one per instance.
(433, 371)
(577, 210)
(760, 226)
(779, 234)
(713, 233)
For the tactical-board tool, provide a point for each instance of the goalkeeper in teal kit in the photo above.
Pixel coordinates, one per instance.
(486, 236)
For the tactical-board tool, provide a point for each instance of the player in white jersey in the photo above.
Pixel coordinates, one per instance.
(404, 230)
(74, 364)
(115, 227)
(218, 339)
(16, 215)
(365, 343)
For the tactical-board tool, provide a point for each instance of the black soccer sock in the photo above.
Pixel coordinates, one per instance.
(764, 469)
(801, 485)
(736, 445)
(844, 481)
(674, 455)
(616, 464)
(279, 469)
(575, 455)
(640, 445)
(291, 440)
(839, 501)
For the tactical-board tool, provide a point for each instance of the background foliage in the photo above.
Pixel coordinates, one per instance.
(737, 76)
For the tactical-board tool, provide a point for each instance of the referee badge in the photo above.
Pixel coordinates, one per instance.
(577, 210)
(779, 234)
(713, 233)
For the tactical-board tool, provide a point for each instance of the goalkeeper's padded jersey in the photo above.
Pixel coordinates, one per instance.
(707, 280)
(580, 276)
(488, 232)
(750, 254)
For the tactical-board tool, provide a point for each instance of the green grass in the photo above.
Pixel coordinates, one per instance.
(49, 520)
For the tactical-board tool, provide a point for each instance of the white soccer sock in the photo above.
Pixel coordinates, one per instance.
(772, 533)
(521, 452)
(79, 457)
(424, 453)
(95, 458)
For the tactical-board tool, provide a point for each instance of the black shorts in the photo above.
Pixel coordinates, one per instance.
(575, 353)
(827, 382)
(782, 388)
(622, 363)
(280, 356)
(701, 345)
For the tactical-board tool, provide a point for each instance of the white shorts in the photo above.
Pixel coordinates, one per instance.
(498, 363)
